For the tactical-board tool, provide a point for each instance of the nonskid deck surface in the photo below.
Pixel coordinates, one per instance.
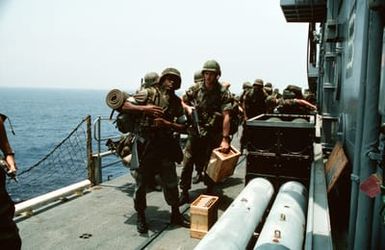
(104, 218)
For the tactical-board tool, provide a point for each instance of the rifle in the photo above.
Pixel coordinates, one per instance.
(195, 119)
(4, 167)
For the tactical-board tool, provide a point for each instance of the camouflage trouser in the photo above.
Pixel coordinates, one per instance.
(198, 152)
(154, 163)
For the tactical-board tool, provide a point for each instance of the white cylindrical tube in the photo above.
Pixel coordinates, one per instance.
(237, 224)
(285, 225)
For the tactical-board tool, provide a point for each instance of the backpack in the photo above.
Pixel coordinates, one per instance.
(126, 122)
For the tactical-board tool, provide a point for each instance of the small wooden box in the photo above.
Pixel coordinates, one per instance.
(203, 214)
(222, 165)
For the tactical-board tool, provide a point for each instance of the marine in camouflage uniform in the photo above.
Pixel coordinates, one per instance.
(9, 233)
(254, 102)
(246, 87)
(276, 93)
(268, 88)
(150, 79)
(157, 148)
(290, 104)
(212, 102)
(272, 101)
(198, 77)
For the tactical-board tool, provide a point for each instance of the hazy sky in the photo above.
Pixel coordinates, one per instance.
(104, 44)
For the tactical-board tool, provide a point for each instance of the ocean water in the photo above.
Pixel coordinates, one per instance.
(42, 118)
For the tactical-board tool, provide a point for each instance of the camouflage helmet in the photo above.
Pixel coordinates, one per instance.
(296, 90)
(287, 94)
(213, 66)
(150, 79)
(198, 77)
(258, 82)
(174, 74)
(269, 88)
(246, 85)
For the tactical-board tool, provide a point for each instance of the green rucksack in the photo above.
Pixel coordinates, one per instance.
(125, 121)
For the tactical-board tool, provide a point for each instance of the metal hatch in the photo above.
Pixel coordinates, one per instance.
(304, 10)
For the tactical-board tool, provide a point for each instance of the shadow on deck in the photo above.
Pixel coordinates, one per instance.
(104, 218)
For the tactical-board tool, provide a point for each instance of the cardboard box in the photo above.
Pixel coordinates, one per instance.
(203, 214)
(222, 165)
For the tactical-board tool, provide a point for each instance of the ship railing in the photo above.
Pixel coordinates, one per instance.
(68, 170)
(95, 170)
(27, 207)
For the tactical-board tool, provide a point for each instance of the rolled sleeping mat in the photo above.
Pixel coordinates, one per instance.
(116, 98)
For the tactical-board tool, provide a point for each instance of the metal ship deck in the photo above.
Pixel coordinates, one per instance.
(104, 218)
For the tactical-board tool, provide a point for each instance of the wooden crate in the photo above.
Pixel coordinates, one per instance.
(222, 165)
(203, 214)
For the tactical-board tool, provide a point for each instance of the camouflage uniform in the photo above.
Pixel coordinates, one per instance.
(271, 103)
(245, 87)
(158, 150)
(198, 77)
(155, 158)
(150, 79)
(210, 104)
(255, 100)
(289, 104)
(268, 88)
(276, 93)
(296, 90)
(253, 104)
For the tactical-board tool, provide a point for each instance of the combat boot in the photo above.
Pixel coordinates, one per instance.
(198, 178)
(178, 219)
(184, 198)
(209, 190)
(141, 225)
